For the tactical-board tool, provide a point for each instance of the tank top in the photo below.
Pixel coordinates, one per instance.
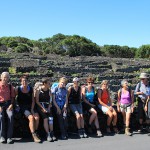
(75, 96)
(105, 96)
(90, 95)
(125, 98)
(44, 96)
(24, 99)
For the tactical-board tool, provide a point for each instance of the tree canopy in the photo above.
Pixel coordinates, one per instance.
(72, 45)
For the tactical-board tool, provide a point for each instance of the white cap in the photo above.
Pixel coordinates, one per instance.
(75, 79)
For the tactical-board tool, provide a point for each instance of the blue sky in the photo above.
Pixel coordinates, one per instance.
(117, 22)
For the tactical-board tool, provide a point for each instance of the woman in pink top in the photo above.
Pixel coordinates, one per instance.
(125, 104)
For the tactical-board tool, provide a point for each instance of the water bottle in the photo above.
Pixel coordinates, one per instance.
(50, 120)
(64, 114)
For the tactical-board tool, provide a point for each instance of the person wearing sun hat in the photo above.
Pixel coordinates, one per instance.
(141, 92)
(74, 96)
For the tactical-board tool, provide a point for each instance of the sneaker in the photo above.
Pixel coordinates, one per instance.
(36, 138)
(63, 137)
(52, 136)
(2, 140)
(80, 133)
(85, 135)
(9, 141)
(49, 139)
(99, 133)
(147, 129)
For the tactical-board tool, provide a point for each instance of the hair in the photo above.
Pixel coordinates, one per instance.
(37, 86)
(123, 81)
(24, 77)
(104, 82)
(5, 73)
(45, 80)
(90, 79)
(63, 79)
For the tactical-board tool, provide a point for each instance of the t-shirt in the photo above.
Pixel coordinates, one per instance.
(5, 93)
(60, 96)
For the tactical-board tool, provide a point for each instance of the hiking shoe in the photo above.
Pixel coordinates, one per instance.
(63, 137)
(115, 129)
(49, 138)
(36, 138)
(99, 133)
(84, 134)
(147, 129)
(9, 141)
(2, 140)
(127, 132)
(108, 130)
(52, 136)
(80, 133)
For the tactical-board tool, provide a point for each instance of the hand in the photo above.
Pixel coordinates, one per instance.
(132, 109)
(92, 105)
(65, 109)
(1, 109)
(44, 110)
(10, 108)
(118, 109)
(58, 110)
(110, 108)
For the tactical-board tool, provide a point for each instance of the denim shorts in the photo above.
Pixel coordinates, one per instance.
(76, 108)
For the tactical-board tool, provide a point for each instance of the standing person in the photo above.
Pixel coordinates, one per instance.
(44, 104)
(126, 104)
(88, 94)
(60, 101)
(7, 95)
(140, 91)
(146, 107)
(105, 104)
(74, 97)
(25, 99)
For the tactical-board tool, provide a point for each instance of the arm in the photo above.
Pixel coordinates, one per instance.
(55, 104)
(12, 96)
(118, 102)
(33, 104)
(66, 103)
(137, 90)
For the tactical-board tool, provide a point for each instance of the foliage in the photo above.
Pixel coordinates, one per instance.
(143, 51)
(74, 45)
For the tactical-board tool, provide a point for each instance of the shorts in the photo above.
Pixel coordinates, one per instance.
(76, 108)
(43, 114)
(26, 110)
(103, 108)
(125, 108)
(86, 107)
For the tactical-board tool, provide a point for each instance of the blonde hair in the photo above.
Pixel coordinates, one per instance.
(63, 79)
(104, 82)
(90, 79)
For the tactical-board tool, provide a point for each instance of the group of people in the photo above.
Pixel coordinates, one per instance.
(38, 101)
